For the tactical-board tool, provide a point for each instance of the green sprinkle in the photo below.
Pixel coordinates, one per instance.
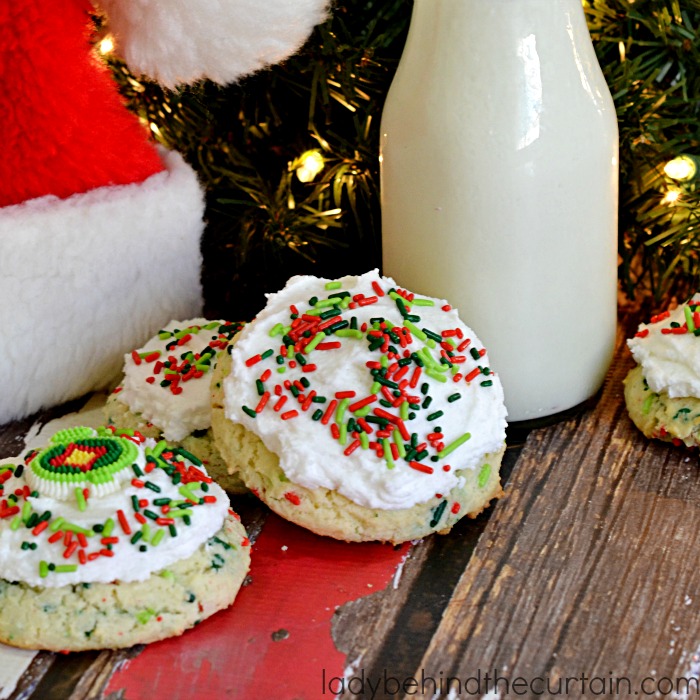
(152, 486)
(314, 341)
(349, 333)
(488, 382)
(436, 374)
(56, 524)
(317, 415)
(484, 474)
(43, 569)
(340, 411)
(179, 514)
(276, 330)
(65, 568)
(646, 406)
(16, 522)
(108, 527)
(454, 397)
(364, 440)
(422, 302)
(343, 437)
(389, 458)
(145, 615)
(398, 441)
(136, 537)
(334, 285)
(437, 513)
(448, 449)
(156, 539)
(415, 331)
(249, 411)
(167, 574)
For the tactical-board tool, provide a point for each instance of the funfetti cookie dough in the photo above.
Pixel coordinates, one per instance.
(166, 390)
(110, 540)
(361, 411)
(662, 392)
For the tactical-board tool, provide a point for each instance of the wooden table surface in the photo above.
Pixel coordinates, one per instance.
(583, 581)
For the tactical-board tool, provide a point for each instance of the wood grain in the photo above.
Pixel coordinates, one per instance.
(588, 567)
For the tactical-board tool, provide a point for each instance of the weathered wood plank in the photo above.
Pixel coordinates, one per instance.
(588, 567)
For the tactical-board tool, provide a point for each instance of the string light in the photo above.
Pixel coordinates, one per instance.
(310, 164)
(671, 196)
(682, 168)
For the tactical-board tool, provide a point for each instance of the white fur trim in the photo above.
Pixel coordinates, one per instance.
(85, 279)
(181, 41)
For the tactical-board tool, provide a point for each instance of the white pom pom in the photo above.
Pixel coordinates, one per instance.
(181, 41)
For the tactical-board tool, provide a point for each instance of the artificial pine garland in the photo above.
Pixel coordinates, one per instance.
(269, 217)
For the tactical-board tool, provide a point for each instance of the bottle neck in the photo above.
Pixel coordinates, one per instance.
(454, 25)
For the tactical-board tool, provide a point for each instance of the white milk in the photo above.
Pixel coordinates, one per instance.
(499, 167)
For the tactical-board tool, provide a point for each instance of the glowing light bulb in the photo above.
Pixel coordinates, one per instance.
(310, 164)
(671, 196)
(106, 45)
(682, 168)
(623, 51)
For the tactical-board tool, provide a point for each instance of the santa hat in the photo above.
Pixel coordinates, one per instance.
(99, 229)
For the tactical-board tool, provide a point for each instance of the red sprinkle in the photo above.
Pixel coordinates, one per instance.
(40, 527)
(473, 374)
(351, 448)
(377, 288)
(135, 357)
(456, 507)
(289, 414)
(344, 394)
(263, 402)
(253, 360)
(362, 402)
(642, 334)
(329, 412)
(292, 498)
(421, 467)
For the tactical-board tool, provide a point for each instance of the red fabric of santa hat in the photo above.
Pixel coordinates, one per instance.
(63, 124)
(99, 230)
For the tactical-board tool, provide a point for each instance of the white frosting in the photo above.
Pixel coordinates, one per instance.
(176, 414)
(128, 563)
(308, 453)
(670, 359)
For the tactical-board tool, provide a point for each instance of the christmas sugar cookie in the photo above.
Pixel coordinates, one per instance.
(165, 390)
(662, 392)
(361, 411)
(110, 540)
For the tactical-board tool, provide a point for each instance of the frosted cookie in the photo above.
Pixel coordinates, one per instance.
(662, 392)
(108, 540)
(360, 411)
(165, 391)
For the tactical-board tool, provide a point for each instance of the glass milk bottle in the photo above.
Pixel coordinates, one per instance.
(499, 172)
